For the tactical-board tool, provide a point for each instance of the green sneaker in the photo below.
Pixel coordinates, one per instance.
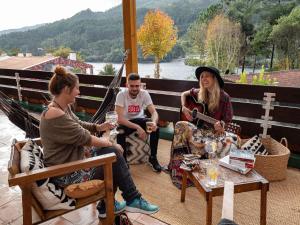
(119, 207)
(140, 205)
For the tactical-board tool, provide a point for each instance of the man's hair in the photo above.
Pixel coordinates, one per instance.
(133, 76)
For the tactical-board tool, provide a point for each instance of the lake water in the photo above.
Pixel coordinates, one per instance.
(176, 69)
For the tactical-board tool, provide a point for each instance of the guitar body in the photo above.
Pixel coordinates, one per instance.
(199, 115)
(192, 104)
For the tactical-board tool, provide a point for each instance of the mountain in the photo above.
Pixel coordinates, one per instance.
(98, 36)
(21, 29)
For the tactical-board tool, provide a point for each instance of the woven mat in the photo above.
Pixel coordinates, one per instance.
(283, 205)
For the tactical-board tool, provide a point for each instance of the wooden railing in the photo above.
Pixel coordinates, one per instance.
(246, 99)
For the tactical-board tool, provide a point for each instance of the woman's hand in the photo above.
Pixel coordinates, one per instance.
(87, 152)
(187, 113)
(105, 142)
(219, 127)
(104, 126)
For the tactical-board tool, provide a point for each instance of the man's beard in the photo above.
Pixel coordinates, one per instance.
(134, 94)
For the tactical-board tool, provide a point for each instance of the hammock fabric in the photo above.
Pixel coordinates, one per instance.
(21, 118)
(110, 96)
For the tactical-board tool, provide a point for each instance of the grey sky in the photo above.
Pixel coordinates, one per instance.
(21, 13)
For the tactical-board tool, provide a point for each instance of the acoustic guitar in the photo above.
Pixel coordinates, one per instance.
(199, 115)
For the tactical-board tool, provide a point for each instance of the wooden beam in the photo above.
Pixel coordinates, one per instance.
(130, 37)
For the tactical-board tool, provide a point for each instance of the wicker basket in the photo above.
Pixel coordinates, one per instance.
(273, 166)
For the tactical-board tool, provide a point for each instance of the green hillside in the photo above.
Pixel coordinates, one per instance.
(98, 36)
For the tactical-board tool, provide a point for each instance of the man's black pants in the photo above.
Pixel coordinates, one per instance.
(125, 131)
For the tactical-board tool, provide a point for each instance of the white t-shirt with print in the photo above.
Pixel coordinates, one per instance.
(133, 107)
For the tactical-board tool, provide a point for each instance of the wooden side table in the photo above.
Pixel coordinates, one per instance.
(242, 183)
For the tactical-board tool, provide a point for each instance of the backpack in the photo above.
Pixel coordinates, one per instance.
(122, 219)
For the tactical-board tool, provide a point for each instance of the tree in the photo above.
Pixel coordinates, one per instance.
(223, 43)
(271, 16)
(244, 13)
(260, 46)
(157, 36)
(108, 70)
(195, 38)
(286, 35)
(63, 52)
(13, 51)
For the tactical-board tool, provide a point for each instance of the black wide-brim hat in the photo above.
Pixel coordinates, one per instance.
(212, 70)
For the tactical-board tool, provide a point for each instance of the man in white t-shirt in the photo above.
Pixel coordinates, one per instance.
(130, 105)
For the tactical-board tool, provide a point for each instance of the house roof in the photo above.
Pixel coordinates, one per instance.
(284, 78)
(21, 63)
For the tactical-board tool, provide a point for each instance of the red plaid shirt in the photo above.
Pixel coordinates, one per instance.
(224, 112)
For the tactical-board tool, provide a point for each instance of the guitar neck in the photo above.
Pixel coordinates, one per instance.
(206, 118)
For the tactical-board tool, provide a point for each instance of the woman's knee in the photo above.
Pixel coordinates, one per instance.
(106, 150)
(183, 127)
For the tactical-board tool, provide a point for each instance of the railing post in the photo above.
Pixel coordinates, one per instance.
(18, 86)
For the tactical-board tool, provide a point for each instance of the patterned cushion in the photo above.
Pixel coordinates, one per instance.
(31, 157)
(138, 151)
(49, 195)
(84, 189)
(254, 144)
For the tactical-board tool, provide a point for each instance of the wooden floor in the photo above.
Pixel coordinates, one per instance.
(10, 198)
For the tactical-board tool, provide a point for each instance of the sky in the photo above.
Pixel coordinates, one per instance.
(20, 13)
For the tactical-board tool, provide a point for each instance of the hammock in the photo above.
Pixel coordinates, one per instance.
(19, 116)
(22, 119)
(110, 96)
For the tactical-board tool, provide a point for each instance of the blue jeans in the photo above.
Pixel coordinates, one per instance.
(121, 176)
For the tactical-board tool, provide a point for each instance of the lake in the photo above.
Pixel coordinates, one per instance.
(176, 69)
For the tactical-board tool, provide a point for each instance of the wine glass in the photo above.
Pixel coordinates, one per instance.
(211, 148)
(112, 118)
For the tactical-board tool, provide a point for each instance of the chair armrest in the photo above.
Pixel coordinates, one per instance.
(63, 169)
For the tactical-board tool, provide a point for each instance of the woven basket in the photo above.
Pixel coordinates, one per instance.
(273, 166)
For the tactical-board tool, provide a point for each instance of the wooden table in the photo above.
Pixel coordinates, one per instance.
(242, 183)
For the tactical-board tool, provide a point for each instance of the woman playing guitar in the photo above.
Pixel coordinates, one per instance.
(211, 95)
(210, 103)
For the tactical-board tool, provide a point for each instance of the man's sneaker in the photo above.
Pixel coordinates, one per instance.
(119, 207)
(140, 205)
(154, 164)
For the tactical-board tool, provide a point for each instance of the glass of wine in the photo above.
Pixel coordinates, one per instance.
(112, 118)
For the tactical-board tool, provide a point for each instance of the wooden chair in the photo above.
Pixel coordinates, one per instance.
(25, 181)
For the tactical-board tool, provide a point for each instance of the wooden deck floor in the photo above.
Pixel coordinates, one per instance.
(10, 198)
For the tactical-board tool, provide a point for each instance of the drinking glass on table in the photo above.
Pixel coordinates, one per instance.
(112, 118)
(212, 172)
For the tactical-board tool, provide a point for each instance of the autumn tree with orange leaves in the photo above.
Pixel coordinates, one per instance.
(223, 42)
(157, 36)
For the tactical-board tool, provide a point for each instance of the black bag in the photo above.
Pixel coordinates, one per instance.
(122, 219)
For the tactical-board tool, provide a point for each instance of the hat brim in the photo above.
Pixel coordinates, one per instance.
(212, 70)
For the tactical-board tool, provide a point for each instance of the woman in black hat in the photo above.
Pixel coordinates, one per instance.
(192, 135)
(211, 96)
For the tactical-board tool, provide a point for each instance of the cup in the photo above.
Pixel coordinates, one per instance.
(112, 118)
(149, 125)
(212, 173)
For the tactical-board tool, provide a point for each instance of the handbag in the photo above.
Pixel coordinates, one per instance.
(122, 219)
